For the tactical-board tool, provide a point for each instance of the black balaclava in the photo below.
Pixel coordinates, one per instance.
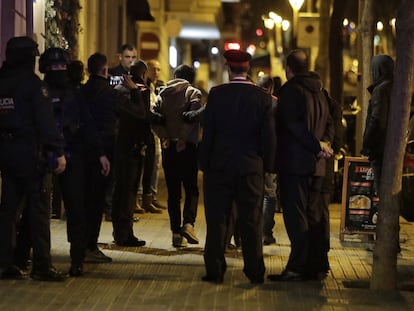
(57, 78)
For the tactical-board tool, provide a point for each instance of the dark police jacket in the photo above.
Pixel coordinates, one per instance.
(27, 125)
(103, 102)
(302, 120)
(238, 132)
(74, 120)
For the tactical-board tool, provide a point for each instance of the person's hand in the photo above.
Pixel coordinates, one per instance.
(105, 164)
(61, 165)
(190, 116)
(326, 151)
(180, 146)
(128, 83)
(157, 118)
(165, 143)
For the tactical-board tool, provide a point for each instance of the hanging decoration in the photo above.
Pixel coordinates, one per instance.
(62, 24)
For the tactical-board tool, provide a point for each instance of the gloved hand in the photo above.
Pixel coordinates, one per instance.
(190, 116)
(157, 118)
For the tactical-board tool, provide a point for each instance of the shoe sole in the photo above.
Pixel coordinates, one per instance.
(128, 245)
(153, 212)
(97, 261)
(189, 238)
(179, 246)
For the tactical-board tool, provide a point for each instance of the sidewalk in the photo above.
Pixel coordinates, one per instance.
(160, 277)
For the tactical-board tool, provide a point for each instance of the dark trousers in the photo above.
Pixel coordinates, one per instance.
(302, 213)
(72, 188)
(97, 188)
(326, 199)
(233, 230)
(220, 191)
(376, 165)
(146, 158)
(14, 190)
(127, 168)
(180, 169)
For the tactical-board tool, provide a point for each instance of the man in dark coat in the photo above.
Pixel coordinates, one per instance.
(236, 150)
(303, 136)
(103, 103)
(134, 136)
(377, 117)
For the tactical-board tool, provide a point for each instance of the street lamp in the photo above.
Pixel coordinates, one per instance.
(269, 23)
(274, 23)
(277, 19)
(296, 5)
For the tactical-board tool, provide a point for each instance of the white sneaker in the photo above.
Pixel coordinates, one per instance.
(178, 240)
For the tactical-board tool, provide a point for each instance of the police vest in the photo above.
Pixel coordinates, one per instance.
(10, 119)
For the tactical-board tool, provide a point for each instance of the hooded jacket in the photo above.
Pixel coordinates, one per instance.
(378, 108)
(175, 98)
(302, 121)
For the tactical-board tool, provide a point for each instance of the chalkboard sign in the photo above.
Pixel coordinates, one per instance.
(359, 201)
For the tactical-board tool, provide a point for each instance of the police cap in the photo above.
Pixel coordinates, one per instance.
(237, 59)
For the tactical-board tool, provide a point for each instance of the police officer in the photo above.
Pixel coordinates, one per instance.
(27, 131)
(236, 149)
(103, 102)
(75, 123)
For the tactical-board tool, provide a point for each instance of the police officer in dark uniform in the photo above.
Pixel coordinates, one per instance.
(75, 123)
(104, 104)
(27, 133)
(237, 148)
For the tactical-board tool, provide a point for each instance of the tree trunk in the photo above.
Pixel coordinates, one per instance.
(321, 65)
(335, 51)
(384, 272)
(366, 32)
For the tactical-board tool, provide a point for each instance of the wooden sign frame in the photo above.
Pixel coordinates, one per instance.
(359, 202)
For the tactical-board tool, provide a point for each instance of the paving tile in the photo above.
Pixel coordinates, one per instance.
(161, 277)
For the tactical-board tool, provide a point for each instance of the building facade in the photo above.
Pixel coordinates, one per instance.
(162, 29)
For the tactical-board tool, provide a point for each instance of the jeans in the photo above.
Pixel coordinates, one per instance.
(269, 204)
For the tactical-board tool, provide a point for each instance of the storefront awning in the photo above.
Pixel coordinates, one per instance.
(197, 30)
